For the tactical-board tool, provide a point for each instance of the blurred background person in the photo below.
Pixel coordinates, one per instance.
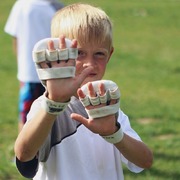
(28, 22)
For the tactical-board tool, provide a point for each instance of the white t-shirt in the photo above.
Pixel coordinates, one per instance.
(72, 152)
(30, 21)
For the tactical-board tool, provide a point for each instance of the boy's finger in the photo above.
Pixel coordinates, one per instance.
(62, 42)
(80, 93)
(91, 91)
(80, 119)
(81, 77)
(101, 89)
(51, 45)
(113, 101)
(74, 43)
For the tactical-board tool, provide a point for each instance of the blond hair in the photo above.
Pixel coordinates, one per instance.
(86, 23)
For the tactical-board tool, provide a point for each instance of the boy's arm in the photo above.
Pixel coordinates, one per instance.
(103, 121)
(58, 91)
(135, 151)
(33, 135)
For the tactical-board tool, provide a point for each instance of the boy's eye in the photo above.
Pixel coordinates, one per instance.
(101, 55)
(81, 53)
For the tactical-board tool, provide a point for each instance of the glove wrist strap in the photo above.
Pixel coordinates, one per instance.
(116, 137)
(52, 107)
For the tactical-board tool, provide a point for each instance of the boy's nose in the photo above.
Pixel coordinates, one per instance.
(89, 61)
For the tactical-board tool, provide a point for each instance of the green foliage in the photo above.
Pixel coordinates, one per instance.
(145, 65)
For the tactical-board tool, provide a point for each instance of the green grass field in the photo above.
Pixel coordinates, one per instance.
(146, 67)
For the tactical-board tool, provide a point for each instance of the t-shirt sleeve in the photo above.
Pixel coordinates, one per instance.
(12, 24)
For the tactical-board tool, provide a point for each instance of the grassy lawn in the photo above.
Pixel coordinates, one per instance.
(146, 67)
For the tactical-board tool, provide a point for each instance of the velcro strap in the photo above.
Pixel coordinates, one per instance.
(55, 73)
(112, 92)
(85, 101)
(51, 55)
(39, 56)
(73, 53)
(41, 53)
(53, 107)
(103, 111)
(116, 137)
(103, 99)
(59, 54)
(109, 86)
(63, 54)
(94, 100)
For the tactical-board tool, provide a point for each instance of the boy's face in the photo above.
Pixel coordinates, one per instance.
(96, 56)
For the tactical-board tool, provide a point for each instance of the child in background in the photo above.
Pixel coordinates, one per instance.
(28, 22)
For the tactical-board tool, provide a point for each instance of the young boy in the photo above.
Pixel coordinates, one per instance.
(76, 129)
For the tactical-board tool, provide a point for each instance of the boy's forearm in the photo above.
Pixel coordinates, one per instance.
(33, 136)
(135, 151)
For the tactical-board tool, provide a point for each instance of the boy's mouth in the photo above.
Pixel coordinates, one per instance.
(92, 74)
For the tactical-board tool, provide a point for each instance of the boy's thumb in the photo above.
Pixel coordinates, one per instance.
(81, 77)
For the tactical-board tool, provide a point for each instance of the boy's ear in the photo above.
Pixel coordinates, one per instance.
(110, 54)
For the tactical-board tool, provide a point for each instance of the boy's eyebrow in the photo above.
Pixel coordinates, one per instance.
(104, 49)
(96, 50)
